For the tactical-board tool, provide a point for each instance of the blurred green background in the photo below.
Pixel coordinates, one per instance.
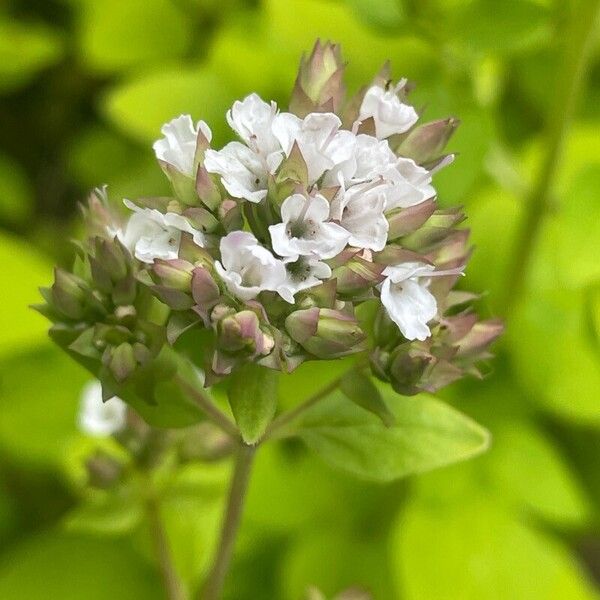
(84, 88)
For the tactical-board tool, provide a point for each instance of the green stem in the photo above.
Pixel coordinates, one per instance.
(233, 513)
(207, 405)
(579, 38)
(174, 588)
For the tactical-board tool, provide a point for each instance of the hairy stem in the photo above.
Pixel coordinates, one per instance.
(579, 38)
(174, 588)
(233, 513)
(205, 402)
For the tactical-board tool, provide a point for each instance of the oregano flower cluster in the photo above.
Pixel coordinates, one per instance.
(316, 234)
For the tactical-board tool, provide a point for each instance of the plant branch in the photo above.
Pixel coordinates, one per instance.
(174, 588)
(205, 402)
(233, 513)
(291, 415)
(579, 38)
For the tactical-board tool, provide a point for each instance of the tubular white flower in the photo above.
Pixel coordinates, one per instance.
(100, 418)
(407, 300)
(388, 112)
(150, 234)
(247, 268)
(302, 273)
(322, 144)
(411, 184)
(252, 120)
(243, 172)
(359, 210)
(305, 230)
(178, 146)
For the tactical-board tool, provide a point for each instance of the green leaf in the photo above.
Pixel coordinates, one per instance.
(477, 551)
(253, 397)
(543, 483)
(116, 35)
(553, 357)
(25, 49)
(427, 434)
(503, 27)
(382, 14)
(362, 391)
(71, 567)
(39, 397)
(26, 270)
(112, 512)
(334, 559)
(199, 92)
(16, 195)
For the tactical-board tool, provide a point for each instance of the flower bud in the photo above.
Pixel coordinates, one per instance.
(68, 294)
(176, 273)
(426, 142)
(242, 332)
(325, 332)
(358, 276)
(407, 366)
(319, 86)
(434, 230)
(121, 361)
(207, 189)
(205, 290)
(403, 221)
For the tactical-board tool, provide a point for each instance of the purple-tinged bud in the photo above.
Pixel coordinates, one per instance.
(325, 332)
(207, 189)
(201, 219)
(319, 85)
(406, 220)
(480, 336)
(453, 251)
(358, 276)
(230, 215)
(437, 227)
(175, 273)
(205, 290)
(190, 251)
(242, 332)
(426, 142)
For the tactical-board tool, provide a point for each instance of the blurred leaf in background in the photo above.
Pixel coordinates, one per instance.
(84, 89)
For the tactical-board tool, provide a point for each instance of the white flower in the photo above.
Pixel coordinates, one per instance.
(100, 418)
(305, 230)
(407, 300)
(252, 120)
(359, 210)
(243, 172)
(151, 234)
(411, 184)
(302, 273)
(178, 147)
(372, 160)
(389, 113)
(322, 144)
(246, 267)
